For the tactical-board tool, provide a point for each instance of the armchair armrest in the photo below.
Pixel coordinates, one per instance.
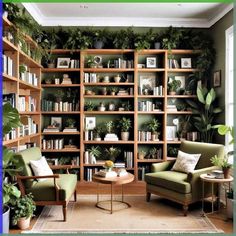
(36, 177)
(61, 167)
(163, 166)
(192, 176)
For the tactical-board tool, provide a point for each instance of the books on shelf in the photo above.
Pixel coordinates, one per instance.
(74, 63)
(53, 144)
(122, 92)
(128, 157)
(27, 103)
(106, 174)
(11, 135)
(89, 173)
(30, 78)
(7, 65)
(75, 161)
(28, 126)
(90, 78)
(51, 128)
(68, 129)
(48, 105)
(158, 91)
(111, 137)
(142, 170)
(171, 108)
(144, 136)
(173, 64)
(121, 63)
(147, 106)
(10, 97)
(89, 159)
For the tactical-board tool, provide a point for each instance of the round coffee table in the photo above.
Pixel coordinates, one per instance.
(112, 181)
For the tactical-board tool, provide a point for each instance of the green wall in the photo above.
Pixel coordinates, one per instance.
(217, 31)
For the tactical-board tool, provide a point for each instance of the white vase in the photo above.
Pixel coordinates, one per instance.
(125, 136)
(23, 223)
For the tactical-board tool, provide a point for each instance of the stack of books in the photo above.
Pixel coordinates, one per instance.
(122, 92)
(119, 164)
(51, 128)
(111, 137)
(70, 129)
(173, 63)
(171, 108)
(107, 174)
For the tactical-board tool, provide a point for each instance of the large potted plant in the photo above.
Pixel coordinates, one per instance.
(23, 211)
(99, 37)
(173, 85)
(11, 119)
(125, 125)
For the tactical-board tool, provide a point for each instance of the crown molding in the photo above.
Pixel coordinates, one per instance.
(125, 21)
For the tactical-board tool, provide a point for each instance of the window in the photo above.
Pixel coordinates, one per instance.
(229, 83)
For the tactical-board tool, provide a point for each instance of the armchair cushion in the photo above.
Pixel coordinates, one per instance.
(40, 168)
(45, 190)
(171, 180)
(185, 162)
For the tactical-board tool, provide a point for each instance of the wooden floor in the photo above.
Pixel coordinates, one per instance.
(218, 219)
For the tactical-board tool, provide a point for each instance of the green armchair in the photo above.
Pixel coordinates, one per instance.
(182, 187)
(57, 189)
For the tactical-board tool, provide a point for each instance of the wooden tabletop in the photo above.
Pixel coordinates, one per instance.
(215, 180)
(114, 180)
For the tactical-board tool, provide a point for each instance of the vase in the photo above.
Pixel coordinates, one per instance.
(5, 220)
(23, 223)
(98, 44)
(157, 45)
(226, 172)
(125, 136)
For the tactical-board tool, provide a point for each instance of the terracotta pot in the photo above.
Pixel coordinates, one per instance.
(172, 93)
(23, 223)
(141, 156)
(125, 136)
(226, 173)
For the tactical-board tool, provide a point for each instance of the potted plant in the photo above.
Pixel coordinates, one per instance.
(101, 107)
(23, 211)
(153, 153)
(172, 151)
(94, 152)
(48, 80)
(112, 153)
(10, 10)
(113, 90)
(11, 119)
(99, 37)
(108, 165)
(230, 203)
(110, 127)
(173, 86)
(125, 125)
(157, 41)
(98, 132)
(59, 95)
(123, 39)
(141, 155)
(89, 106)
(153, 126)
(70, 123)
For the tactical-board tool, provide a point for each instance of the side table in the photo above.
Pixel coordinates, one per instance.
(213, 181)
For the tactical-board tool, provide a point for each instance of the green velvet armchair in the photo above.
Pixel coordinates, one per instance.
(57, 189)
(182, 187)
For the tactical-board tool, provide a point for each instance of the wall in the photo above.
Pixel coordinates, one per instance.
(217, 31)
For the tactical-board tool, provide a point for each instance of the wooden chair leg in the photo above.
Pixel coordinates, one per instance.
(148, 196)
(75, 196)
(185, 208)
(64, 209)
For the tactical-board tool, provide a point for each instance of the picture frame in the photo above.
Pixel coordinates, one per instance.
(186, 63)
(171, 133)
(90, 123)
(147, 84)
(151, 62)
(182, 80)
(57, 122)
(217, 78)
(63, 62)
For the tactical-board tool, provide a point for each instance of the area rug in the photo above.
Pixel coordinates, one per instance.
(143, 217)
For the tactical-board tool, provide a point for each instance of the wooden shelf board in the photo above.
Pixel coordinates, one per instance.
(173, 142)
(152, 51)
(61, 133)
(7, 142)
(150, 96)
(150, 142)
(25, 85)
(29, 136)
(9, 78)
(150, 112)
(108, 142)
(107, 112)
(60, 112)
(29, 112)
(28, 60)
(182, 70)
(50, 70)
(150, 160)
(108, 70)
(108, 84)
(6, 22)
(59, 85)
(62, 51)
(181, 96)
(8, 46)
(107, 51)
(151, 70)
(184, 51)
(179, 112)
(108, 96)
(61, 166)
(60, 150)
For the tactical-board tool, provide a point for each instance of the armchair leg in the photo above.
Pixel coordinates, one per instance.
(75, 196)
(148, 196)
(64, 209)
(185, 208)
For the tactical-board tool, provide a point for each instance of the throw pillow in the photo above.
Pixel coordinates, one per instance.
(186, 162)
(41, 168)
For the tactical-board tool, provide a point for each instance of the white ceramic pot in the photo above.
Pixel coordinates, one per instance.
(23, 223)
(125, 136)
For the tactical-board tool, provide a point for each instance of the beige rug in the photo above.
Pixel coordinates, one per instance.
(143, 217)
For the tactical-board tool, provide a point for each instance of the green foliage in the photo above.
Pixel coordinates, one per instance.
(59, 94)
(113, 89)
(89, 106)
(125, 124)
(95, 151)
(153, 125)
(24, 207)
(112, 153)
(143, 41)
(10, 194)
(171, 38)
(12, 9)
(110, 126)
(221, 162)
(172, 151)
(225, 129)
(100, 35)
(70, 122)
(99, 131)
(123, 39)
(173, 85)
(204, 112)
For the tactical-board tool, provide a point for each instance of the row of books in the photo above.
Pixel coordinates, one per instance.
(142, 170)
(121, 63)
(128, 157)
(147, 106)
(48, 105)
(193, 136)
(90, 78)
(89, 173)
(8, 65)
(28, 126)
(53, 144)
(173, 64)
(56, 161)
(9, 97)
(11, 135)
(30, 78)
(158, 91)
(88, 135)
(144, 136)
(22, 147)
(74, 63)
(27, 103)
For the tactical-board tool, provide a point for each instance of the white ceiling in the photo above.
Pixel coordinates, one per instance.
(201, 15)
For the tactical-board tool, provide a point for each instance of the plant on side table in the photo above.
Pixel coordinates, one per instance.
(125, 125)
(23, 211)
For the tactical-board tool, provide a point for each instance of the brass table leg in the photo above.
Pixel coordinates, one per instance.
(111, 197)
(203, 195)
(212, 197)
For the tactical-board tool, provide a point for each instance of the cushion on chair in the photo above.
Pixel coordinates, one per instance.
(207, 151)
(40, 168)
(171, 180)
(24, 158)
(185, 162)
(45, 191)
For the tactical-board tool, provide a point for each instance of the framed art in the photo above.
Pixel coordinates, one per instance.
(182, 80)
(147, 84)
(217, 78)
(186, 63)
(151, 62)
(171, 133)
(63, 62)
(90, 123)
(57, 122)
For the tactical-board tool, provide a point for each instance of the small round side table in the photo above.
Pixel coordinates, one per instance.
(206, 178)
